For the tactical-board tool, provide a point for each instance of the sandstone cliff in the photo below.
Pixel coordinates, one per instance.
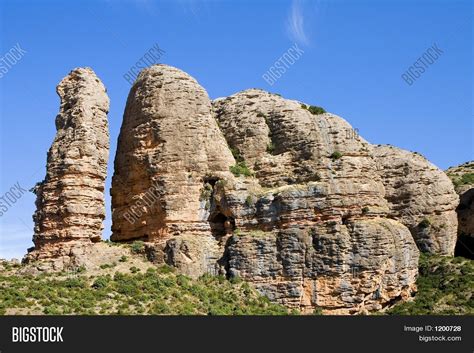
(303, 216)
(312, 221)
(70, 201)
(252, 186)
(421, 197)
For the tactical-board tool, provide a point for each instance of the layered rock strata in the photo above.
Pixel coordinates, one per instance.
(421, 197)
(70, 201)
(170, 154)
(312, 221)
(251, 186)
(304, 218)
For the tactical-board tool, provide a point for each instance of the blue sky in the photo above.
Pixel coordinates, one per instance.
(354, 55)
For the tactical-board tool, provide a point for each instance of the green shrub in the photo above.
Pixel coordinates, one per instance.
(165, 269)
(335, 155)
(134, 269)
(74, 283)
(365, 209)
(250, 200)
(313, 109)
(318, 311)
(236, 280)
(105, 266)
(158, 291)
(444, 288)
(241, 169)
(271, 148)
(206, 192)
(101, 282)
(221, 182)
(467, 178)
(137, 247)
(316, 110)
(123, 258)
(236, 153)
(425, 223)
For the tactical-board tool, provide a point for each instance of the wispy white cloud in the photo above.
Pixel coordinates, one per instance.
(295, 25)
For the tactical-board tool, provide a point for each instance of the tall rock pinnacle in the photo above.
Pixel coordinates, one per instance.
(70, 201)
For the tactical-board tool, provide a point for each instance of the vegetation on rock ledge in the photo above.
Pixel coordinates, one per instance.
(315, 110)
(241, 169)
(465, 179)
(335, 155)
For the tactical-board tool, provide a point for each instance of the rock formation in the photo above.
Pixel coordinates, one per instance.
(312, 221)
(305, 220)
(254, 186)
(70, 201)
(170, 150)
(421, 197)
(463, 179)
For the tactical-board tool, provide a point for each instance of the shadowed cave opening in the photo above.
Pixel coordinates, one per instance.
(221, 225)
(464, 246)
(211, 181)
(465, 242)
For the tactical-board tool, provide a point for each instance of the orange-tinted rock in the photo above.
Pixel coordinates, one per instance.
(70, 201)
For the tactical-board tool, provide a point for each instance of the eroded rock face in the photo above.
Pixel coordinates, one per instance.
(421, 197)
(252, 186)
(463, 179)
(70, 201)
(310, 224)
(169, 147)
(362, 267)
(306, 229)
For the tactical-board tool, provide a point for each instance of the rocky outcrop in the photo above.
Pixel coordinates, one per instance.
(421, 197)
(302, 216)
(462, 177)
(364, 266)
(70, 201)
(252, 186)
(310, 223)
(170, 154)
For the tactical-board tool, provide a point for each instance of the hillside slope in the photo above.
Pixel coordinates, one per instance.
(445, 287)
